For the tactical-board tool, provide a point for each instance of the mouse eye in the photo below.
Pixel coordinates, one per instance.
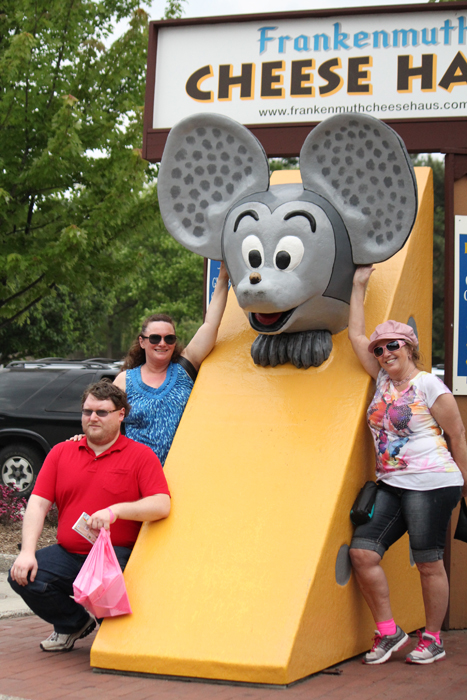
(289, 253)
(253, 252)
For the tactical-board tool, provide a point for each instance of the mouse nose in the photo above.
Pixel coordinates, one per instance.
(255, 278)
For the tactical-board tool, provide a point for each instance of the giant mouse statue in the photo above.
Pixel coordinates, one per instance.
(290, 250)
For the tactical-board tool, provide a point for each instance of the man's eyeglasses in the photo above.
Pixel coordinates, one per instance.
(100, 413)
(155, 338)
(391, 346)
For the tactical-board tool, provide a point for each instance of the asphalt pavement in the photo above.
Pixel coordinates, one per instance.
(26, 673)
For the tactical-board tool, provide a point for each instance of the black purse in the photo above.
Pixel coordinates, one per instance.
(364, 505)
(461, 529)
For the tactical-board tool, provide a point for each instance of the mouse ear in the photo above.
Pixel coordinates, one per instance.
(362, 167)
(209, 162)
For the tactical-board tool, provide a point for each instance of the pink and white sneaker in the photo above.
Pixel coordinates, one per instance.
(427, 650)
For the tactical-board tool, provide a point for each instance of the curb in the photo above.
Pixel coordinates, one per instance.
(17, 613)
(6, 560)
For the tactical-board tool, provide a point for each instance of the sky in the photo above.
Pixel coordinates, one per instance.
(204, 8)
(209, 8)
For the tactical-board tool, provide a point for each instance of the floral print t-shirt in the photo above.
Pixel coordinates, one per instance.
(407, 438)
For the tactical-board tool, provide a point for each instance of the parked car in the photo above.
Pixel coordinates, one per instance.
(40, 405)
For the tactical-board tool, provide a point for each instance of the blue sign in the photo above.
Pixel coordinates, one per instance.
(462, 320)
(212, 274)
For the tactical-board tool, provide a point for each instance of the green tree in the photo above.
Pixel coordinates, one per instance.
(79, 219)
(283, 164)
(174, 9)
(60, 325)
(165, 278)
(69, 118)
(438, 253)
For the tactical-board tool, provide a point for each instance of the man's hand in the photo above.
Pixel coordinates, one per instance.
(24, 564)
(149, 508)
(101, 518)
(33, 522)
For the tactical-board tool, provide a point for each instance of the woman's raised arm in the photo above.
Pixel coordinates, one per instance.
(205, 338)
(357, 335)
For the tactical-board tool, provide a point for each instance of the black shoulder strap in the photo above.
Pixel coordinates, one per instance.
(188, 367)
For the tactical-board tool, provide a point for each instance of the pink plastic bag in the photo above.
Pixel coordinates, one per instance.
(99, 586)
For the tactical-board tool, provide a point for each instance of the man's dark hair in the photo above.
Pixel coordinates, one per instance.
(104, 389)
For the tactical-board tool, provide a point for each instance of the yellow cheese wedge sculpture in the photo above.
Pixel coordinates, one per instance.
(249, 578)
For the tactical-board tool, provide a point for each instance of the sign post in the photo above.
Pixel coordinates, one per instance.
(459, 383)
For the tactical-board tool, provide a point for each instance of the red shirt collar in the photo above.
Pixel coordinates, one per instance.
(119, 445)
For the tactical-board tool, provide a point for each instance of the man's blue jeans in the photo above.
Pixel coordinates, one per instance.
(49, 595)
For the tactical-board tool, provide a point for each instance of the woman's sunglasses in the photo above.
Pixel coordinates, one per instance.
(391, 345)
(155, 338)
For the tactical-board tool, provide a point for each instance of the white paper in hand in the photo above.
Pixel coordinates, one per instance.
(81, 526)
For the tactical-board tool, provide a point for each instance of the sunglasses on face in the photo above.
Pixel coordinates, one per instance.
(391, 345)
(101, 413)
(155, 338)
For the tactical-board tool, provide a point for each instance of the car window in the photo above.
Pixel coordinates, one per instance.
(16, 387)
(69, 400)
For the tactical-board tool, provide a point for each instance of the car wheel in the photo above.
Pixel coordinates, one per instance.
(19, 466)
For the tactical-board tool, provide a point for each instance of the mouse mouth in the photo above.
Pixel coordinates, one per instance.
(269, 323)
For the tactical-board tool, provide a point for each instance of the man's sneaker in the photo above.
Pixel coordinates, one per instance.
(64, 642)
(427, 650)
(383, 646)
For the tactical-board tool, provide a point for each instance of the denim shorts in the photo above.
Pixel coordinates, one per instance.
(424, 515)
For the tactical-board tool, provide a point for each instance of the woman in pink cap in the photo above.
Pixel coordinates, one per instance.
(420, 479)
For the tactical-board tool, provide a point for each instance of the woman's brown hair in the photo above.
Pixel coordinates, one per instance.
(416, 356)
(136, 355)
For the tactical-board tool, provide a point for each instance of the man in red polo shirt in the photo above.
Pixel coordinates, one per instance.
(119, 482)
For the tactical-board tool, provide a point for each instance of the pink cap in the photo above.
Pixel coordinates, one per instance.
(392, 330)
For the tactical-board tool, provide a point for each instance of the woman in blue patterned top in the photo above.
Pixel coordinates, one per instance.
(158, 374)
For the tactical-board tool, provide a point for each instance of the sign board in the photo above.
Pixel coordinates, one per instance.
(290, 70)
(459, 380)
(212, 273)
(210, 276)
(302, 70)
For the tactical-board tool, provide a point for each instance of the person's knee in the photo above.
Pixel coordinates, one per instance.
(12, 583)
(15, 585)
(364, 558)
(431, 569)
(35, 588)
